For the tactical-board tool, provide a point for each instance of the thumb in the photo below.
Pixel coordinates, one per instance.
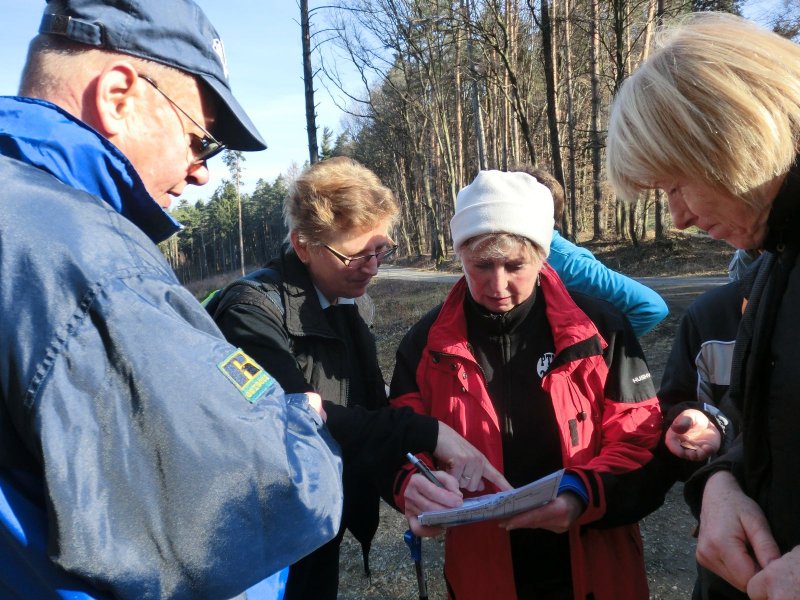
(764, 546)
(682, 424)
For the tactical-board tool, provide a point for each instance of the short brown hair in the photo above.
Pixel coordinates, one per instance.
(336, 194)
(546, 178)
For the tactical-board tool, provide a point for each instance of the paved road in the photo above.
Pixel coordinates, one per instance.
(392, 272)
(678, 291)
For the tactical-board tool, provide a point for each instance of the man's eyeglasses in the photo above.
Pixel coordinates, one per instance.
(202, 148)
(355, 262)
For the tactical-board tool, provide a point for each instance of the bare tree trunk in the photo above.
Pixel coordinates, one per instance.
(459, 132)
(597, 192)
(308, 81)
(480, 138)
(648, 31)
(572, 187)
(241, 222)
(659, 202)
(643, 221)
(550, 75)
(632, 222)
(620, 8)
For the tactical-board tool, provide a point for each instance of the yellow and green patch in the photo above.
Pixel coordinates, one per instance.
(247, 375)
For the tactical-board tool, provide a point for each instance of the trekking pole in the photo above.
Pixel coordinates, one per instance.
(415, 546)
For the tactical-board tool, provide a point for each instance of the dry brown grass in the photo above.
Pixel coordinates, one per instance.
(678, 254)
(400, 304)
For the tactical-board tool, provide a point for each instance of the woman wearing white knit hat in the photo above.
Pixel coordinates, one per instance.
(539, 380)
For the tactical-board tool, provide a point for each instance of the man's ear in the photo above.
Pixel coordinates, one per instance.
(115, 96)
(300, 248)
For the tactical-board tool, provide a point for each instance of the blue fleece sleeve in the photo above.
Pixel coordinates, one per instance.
(582, 272)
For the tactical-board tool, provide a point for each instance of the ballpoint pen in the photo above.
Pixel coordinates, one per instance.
(423, 468)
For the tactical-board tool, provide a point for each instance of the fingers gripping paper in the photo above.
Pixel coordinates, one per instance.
(497, 506)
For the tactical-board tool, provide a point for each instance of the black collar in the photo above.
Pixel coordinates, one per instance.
(498, 323)
(783, 224)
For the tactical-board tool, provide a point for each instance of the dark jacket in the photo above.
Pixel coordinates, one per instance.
(141, 455)
(275, 315)
(697, 375)
(765, 379)
(608, 421)
(698, 371)
(291, 333)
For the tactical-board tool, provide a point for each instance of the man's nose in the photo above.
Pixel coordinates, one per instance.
(198, 174)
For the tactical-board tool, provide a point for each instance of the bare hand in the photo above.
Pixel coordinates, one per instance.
(692, 436)
(421, 495)
(734, 541)
(780, 579)
(315, 402)
(557, 516)
(465, 462)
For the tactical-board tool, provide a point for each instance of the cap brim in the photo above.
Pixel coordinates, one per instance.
(233, 127)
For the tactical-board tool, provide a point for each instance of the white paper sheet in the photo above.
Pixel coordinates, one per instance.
(497, 506)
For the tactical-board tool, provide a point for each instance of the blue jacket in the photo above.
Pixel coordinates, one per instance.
(141, 456)
(582, 272)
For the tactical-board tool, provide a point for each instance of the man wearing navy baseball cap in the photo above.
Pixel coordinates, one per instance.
(141, 456)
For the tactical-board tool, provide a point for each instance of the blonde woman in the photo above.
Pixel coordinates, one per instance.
(713, 119)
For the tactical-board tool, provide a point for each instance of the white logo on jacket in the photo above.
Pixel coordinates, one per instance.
(543, 364)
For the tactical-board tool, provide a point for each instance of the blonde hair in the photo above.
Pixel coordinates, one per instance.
(336, 194)
(497, 245)
(717, 102)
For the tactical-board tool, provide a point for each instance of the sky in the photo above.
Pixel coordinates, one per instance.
(263, 46)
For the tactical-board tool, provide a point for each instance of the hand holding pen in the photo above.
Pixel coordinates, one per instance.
(429, 491)
(423, 468)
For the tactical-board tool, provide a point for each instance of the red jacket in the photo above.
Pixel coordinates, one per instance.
(600, 435)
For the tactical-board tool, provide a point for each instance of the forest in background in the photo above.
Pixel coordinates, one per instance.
(449, 87)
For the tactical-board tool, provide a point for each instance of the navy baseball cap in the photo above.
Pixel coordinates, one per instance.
(173, 32)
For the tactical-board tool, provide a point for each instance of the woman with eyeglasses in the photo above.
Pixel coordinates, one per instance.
(306, 319)
(313, 333)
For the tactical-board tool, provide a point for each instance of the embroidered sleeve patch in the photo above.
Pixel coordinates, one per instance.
(246, 374)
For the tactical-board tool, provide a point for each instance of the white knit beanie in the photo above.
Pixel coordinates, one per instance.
(497, 202)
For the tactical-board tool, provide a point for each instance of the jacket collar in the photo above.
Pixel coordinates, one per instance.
(304, 312)
(493, 324)
(784, 216)
(569, 324)
(44, 136)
